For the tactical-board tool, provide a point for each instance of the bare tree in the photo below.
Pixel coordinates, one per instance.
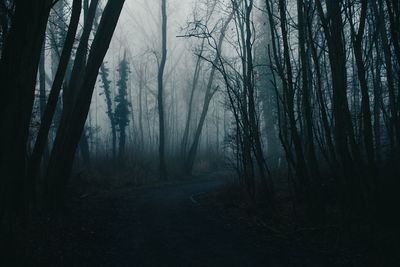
(64, 149)
(48, 114)
(160, 98)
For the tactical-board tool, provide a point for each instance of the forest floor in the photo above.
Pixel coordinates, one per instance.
(173, 224)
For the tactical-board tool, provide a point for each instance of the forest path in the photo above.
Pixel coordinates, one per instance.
(160, 226)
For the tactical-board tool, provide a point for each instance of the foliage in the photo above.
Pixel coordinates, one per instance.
(121, 113)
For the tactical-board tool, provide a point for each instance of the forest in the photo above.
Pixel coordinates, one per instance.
(199, 133)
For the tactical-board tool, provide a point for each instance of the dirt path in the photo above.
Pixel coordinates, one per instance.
(157, 226)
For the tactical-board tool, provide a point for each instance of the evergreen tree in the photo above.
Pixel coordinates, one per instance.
(122, 106)
(104, 73)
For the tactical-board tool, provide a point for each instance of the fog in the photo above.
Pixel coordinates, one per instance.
(199, 133)
(138, 34)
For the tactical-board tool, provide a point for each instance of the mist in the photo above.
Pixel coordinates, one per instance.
(199, 133)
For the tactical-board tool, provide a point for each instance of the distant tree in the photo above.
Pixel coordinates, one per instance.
(104, 72)
(209, 93)
(160, 98)
(193, 88)
(121, 115)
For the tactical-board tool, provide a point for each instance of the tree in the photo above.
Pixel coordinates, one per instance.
(104, 73)
(68, 136)
(160, 98)
(122, 106)
(18, 72)
(265, 88)
(211, 89)
(357, 39)
(48, 113)
(195, 81)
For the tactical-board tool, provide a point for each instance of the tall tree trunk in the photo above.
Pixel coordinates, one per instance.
(195, 80)
(315, 205)
(266, 90)
(160, 98)
(394, 129)
(193, 148)
(210, 91)
(18, 74)
(349, 156)
(141, 129)
(253, 123)
(344, 134)
(320, 97)
(84, 147)
(78, 69)
(357, 38)
(47, 118)
(289, 92)
(61, 159)
(71, 91)
(110, 113)
(377, 100)
(42, 91)
(307, 92)
(121, 146)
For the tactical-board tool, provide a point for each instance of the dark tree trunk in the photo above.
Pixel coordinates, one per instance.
(121, 151)
(344, 134)
(47, 118)
(250, 85)
(289, 97)
(394, 128)
(78, 71)
(18, 73)
(307, 92)
(357, 38)
(377, 100)
(160, 98)
(42, 92)
(42, 81)
(61, 159)
(84, 148)
(320, 97)
(315, 205)
(347, 150)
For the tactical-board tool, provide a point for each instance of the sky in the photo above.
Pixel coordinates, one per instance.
(139, 26)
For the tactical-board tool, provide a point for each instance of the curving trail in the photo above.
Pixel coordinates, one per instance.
(160, 226)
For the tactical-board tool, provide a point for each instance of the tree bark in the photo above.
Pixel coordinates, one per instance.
(343, 131)
(18, 74)
(47, 118)
(357, 38)
(289, 92)
(160, 98)
(42, 92)
(61, 159)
